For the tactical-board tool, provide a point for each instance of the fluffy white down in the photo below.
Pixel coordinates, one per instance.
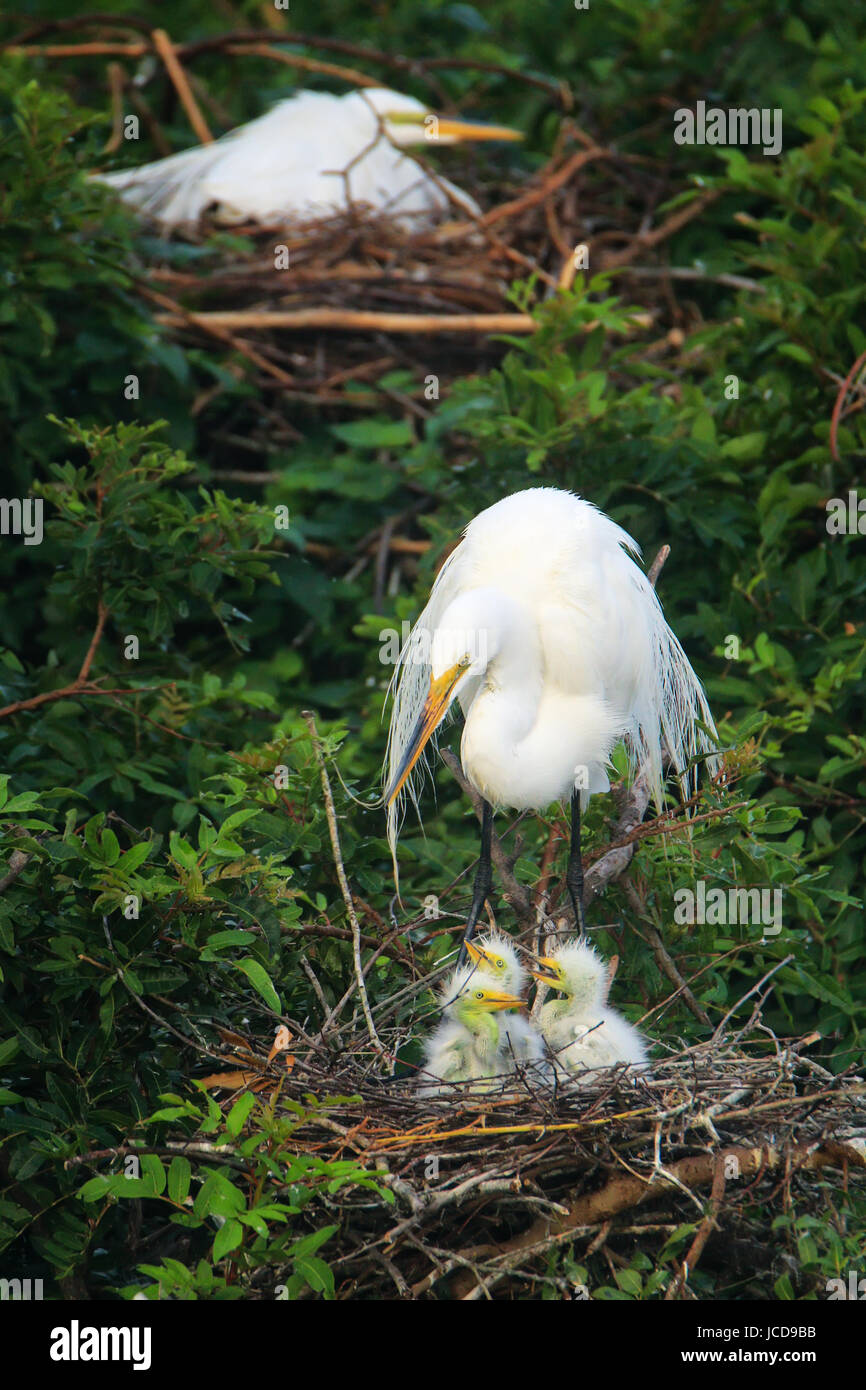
(583, 1033)
(455, 1053)
(293, 164)
(574, 654)
(513, 979)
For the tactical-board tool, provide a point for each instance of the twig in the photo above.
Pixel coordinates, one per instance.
(658, 564)
(102, 615)
(179, 317)
(664, 962)
(295, 60)
(839, 402)
(18, 861)
(614, 862)
(73, 692)
(677, 219)
(164, 47)
(732, 1010)
(344, 887)
(354, 319)
(623, 1193)
(702, 1235)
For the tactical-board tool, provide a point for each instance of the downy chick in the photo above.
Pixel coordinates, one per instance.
(469, 1045)
(581, 1031)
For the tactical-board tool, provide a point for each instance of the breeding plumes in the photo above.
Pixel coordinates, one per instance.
(474, 1043)
(582, 1032)
(312, 155)
(553, 641)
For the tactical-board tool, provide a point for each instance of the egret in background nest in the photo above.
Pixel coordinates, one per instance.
(581, 1031)
(554, 642)
(470, 1044)
(312, 155)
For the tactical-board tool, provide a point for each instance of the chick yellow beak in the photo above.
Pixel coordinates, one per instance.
(493, 999)
(549, 972)
(477, 954)
(431, 716)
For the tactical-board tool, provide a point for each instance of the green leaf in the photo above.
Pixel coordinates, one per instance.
(260, 980)
(179, 1178)
(239, 1112)
(228, 1238)
(317, 1274)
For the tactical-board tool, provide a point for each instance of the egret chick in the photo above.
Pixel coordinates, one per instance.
(495, 956)
(581, 1031)
(470, 1044)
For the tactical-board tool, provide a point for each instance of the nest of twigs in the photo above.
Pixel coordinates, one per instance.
(360, 296)
(487, 1188)
(363, 297)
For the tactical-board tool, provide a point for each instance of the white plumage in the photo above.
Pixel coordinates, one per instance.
(553, 640)
(583, 1033)
(495, 955)
(477, 1042)
(312, 155)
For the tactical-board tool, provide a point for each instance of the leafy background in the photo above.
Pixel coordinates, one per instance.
(167, 792)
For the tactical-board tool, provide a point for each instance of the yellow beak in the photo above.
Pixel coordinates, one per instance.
(431, 716)
(549, 972)
(477, 954)
(494, 1000)
(475, 130)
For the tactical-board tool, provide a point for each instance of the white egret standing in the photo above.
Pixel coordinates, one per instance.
(312, 155)
(583, 1033)
(554, 642)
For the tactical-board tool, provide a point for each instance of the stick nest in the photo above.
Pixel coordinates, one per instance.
(486, 1188)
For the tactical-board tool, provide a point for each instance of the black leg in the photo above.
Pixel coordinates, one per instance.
(574, 872)
(483, 879)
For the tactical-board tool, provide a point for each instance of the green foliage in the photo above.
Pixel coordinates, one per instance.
(242, 1207)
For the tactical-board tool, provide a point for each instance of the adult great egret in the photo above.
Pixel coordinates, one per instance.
(313, 154)
(582, 1032)
(554, 642)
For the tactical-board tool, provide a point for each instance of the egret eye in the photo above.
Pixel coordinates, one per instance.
(500, 965)
(479, 994)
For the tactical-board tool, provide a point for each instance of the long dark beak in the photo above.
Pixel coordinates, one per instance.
(434, 711)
